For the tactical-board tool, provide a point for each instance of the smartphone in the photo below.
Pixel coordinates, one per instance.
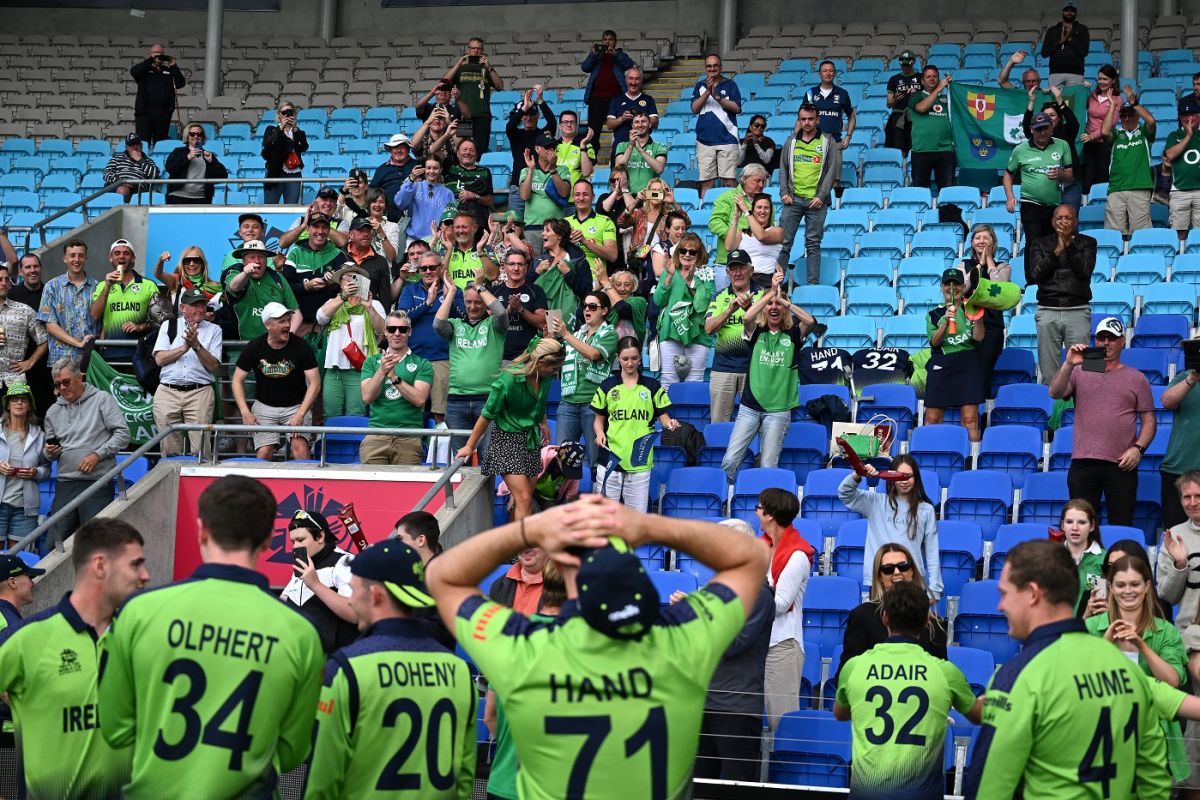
(472, 59)
(52, 441)
(1093, 359)
(1191, 353)
(554, 319)
(299, 556)
(1098, 585)
(364, 286)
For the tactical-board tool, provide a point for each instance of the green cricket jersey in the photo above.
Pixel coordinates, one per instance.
(390, 409)
(1032, 164)
(248, 306)
(774, 370)
(540, 206)
(807, 161)
(1069, 717)
(899, 697)
(963, 337)
(48, 667)
(629, 413)
(600, 718)
(1185, 170)
(731, 351)
(214, 682)
(463, 266)
(598, 228)
(475, 355)
(580, 377)
(1129, 166)
(396, 718)
(931, 131)
(127, 302)
(639, 170)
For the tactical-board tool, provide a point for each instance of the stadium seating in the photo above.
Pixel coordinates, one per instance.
(811, 749)
(690, 402)
(1042, 497)
(981, 496)
(716, 442)
(1015, 449)
(943, 449)
(1009, 536)
(805, 446)
(977, 665)
(1022, 404)
(848, 549)
(828, 602)
(750, 482)
(960, 544)
(820, 501)
(695, 493)
(980, 625)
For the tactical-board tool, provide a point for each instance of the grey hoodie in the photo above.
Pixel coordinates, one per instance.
(93, 424)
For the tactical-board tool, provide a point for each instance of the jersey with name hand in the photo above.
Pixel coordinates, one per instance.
(396, 716)
(48, 667)
(214, 682)
(899, 697)
(1069, 717)
(598, 718)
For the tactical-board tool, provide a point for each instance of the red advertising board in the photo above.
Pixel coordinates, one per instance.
(379, 498)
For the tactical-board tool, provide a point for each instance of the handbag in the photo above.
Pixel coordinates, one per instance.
(352, 351)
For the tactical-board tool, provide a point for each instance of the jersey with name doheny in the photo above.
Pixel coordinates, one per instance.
(598, 718)
(1069, 717)
(48, 667)
(396, 718)
(899, 697)
(214, 682)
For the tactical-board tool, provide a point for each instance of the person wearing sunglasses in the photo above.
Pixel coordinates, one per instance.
(395, 384)
(284, 145)
(590, 351)
(192, 162)
(893, 563)
(421, 300)
(476, 350)
(757, 147)
(320, 582)
(190, 273)
(683, 294)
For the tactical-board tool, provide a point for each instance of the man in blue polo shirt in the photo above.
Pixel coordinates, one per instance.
(832, 102)
(716, 102)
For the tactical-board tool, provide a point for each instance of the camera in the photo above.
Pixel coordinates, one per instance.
(655, 194)
(162, 57)
(472, 59)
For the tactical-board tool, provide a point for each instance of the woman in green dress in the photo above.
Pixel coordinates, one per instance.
(1132, 625)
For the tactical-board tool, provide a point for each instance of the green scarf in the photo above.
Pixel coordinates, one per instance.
(342, 317)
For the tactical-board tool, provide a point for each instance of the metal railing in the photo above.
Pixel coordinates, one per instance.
(104, 482)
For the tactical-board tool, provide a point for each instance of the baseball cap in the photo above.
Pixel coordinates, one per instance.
(274, 311)
(132, 139)
(19, 389)
(120, 243)
(616, 596)
(1189, 107)
(11, 567)
(738, 256)
(546, 140)
(253, 246)
(570, 457)
(250, 215)
(317, 218)
(1110, 325)
(1041, 120)
(449, 214)
(192, 295)
(327, 193)
(1069, 5)
(358, 223)
(398, 567)
(953, 275)
(397, 140)
(907, 57)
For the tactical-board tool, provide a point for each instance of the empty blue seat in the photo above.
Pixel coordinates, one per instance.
(868, 198)
(981, 496)
(1042, 497)
(1141, 269)
(960, 544)
(690, 402)
(828, 602)
(920, 300)
(980, 625)
(937, 244)
(1161, 332)
(1060, 448)
(1113, 299)
(1013, 366)
(342, 448)
(820, 301)
(871, 301)
(1015, 449)
(1186, 267)
(751, 482)
(810, 676)
(850, 333)
(821, 501)
(1002, 221)
(1160, 242)
(654, 557)
(848, 549)
(883, 244)
(1021, 334)
(908, 332)
(903, 221)
(1009, 536)
(852, 221)
(883, 178)
(695, 492)
(811, 748)
(883, 157)
(920, 271)
(1022, 404)
(805, 446)
(942, 449)
(1169, 298)
(1152, 363)
(871, 271)
(917, 198)
(716, 442)
(976, 665)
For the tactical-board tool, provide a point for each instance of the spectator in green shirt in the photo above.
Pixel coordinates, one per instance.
(683, 294)
(562, 270)
(1080, 528)
(589, 356)
(475, 78)
(1182, 159)
(642, 157)
(932, 142)
(544, 188)
(1130, 179)
(399, 404)
(955, 378)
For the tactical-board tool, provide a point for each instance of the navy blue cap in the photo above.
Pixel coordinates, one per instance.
(12, 567)
(398, 567)
(616, 596)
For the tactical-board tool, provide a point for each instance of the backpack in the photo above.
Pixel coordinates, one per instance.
(226, 317)
(145, 368)
(687, 437)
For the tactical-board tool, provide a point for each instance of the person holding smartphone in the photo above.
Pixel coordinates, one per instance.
(23, 463)
(320, 583)
(475, 78)
(158, 78)
(192, 162)
(284, 144)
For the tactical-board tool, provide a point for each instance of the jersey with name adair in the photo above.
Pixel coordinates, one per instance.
(214, 682)
(899, 696)
(48, 667)
(600, 718)
(396, 718)
(1069, 718)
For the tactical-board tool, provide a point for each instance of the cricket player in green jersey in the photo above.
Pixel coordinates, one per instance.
(1069, 716)
(898, 697)
(607, 703)
(49, 664)
(397, 711)
(211, 679)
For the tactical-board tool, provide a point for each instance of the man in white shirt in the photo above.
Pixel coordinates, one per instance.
(189, 352)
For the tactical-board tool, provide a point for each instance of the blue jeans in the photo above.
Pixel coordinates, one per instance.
(15, 524)
(461, 413)
(814, 229)
(515, 203)
(574, 421)
(287, 193)
(770, 426)
(1072, 194)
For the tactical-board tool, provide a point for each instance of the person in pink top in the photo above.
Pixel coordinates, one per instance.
(1096, 152)
(1110, 399)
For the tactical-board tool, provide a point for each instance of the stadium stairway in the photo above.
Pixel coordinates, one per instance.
(665, 86)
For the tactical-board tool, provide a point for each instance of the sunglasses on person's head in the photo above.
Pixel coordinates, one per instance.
(889, 569)
(397, 329)
(687, 251)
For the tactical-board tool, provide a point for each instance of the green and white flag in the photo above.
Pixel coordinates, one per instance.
(986, 121)
(136, 406)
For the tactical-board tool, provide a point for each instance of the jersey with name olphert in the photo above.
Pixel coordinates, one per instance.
(396, 715)
(899, 697)
(1069, 717)
(214, 682)
(599, 718)
(48, 667)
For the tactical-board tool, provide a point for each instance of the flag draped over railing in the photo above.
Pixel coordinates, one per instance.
(986, 121)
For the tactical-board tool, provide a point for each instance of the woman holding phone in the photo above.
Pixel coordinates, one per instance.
(320, 583)
(22, 465)
(284, 144)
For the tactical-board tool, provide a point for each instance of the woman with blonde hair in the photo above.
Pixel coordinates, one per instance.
(190, 273)
(683, 295)
(628, 314)
(517, 406)
(894, 563)
(980, 262)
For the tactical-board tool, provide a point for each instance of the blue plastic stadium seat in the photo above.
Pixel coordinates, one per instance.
(820, 301)
(895, 400)
(1015, 449)
(811, 749)
(871, 301)
(716, 442)
(907, 332)
(1042, 497)
(920, 300)
(805, 446)
(1013, 366)
(1141, 269)
(1186, 267)
(1060, 447)
(852, 221)
(960, 543)
(935, 244)
(981, 496)
(1161, 331)
(695, 492)
(1169, 298)
(903, 221)
(668, 582)
(1021, 333)
(750, 482)
(828, 602)
(1160, 242)
(850, 333)
(821, 502)
(1009, 536)
(1113, 299)
(980, 625)
(883, 178)
(920, 271)
(810, 675)
(869, 198)
(868, 271)
(690, 402)
(917, 198)
(342, 448)
(882, 244)
(1022, 404)
(1152, 363)
(849, 549)
(653, 557)
(942, 449)
(976, 665)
